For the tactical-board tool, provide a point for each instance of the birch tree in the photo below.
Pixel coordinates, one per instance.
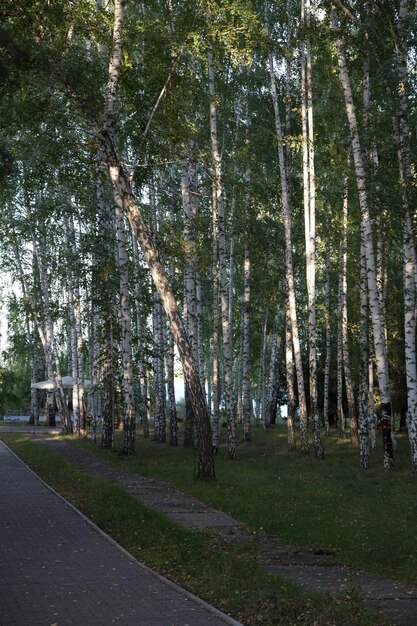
(287, 217)
(309, 180)
(221, 232)
(124, 197)
(378, 328)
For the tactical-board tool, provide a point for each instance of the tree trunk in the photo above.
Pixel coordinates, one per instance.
(353, 424)
(172, 407)
(269, 408)
(224, 293)
(371, 409)
(286, 205)
(215, 357)
(159, 388)
(129, 422)
(190, 213)
(124, 195)
(140, 359)
(260, 400)
(364, 360)
(378, 328)
(246, 406)
(328, 335)
(401, 130)
(339, 374)
(289, 369)
(51, 351)
(309, 179)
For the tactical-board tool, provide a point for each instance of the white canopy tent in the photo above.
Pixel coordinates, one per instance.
(67, 383)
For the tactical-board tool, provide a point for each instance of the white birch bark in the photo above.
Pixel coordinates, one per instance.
(200, 320)
(172, 407)
(339, 372)
(124, 196)
(159, 345)
(190, 310)
(232, 258)
(371, 406)
(350, 395)
(286, 205)
(78, 327)
(105, 382)
(221, 231)
(364, 360)
(409, 252)
(310, 220)
(328, 334)
(93, 347)
(129, 423)
(289, 369)
(215, 357)
(76, 409)
(140, 334)
(239, 409)
(260, 400)
(190, 213)
(378, 328)
(270, 396)
(246, 405)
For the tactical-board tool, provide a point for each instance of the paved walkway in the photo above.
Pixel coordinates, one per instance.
(56, 568)
(317, 571)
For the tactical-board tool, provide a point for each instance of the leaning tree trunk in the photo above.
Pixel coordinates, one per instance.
(221, 232)
(205, 465)
(310, 221)
(378, 328)
(286, 205)
(124, 197)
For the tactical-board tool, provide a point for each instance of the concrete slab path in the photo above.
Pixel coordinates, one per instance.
(57, 568)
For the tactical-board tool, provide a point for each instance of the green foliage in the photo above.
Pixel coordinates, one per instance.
(8, 395)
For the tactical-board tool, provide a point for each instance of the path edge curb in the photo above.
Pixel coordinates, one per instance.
(190, 596)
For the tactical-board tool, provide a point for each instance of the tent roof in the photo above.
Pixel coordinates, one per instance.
(67, 383)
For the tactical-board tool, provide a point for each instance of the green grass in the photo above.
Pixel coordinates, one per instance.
(368, 518)
(228, 577)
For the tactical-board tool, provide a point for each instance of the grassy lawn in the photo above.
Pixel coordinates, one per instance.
(368, 518)
(228, 578)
